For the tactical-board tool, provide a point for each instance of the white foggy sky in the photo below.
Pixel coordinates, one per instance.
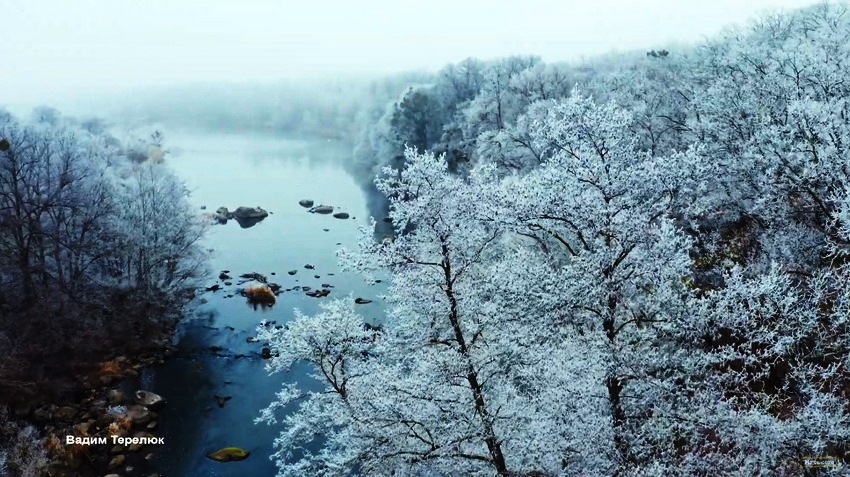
(52, 48)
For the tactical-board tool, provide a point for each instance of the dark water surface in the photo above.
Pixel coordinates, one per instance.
(274, 173)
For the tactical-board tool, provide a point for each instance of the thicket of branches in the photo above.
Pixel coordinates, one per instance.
(642, 275)
(96, 242)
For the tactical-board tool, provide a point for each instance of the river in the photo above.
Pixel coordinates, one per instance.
(275, 173)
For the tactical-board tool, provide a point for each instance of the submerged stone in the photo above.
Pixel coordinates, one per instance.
(229, 454)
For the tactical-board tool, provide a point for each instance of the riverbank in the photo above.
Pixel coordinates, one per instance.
(82, 417)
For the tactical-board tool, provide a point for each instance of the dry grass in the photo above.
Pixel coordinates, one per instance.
(110, 367)
(261, 294)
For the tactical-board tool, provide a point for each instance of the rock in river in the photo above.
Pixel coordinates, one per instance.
(117, 461)
(150, 400)
(320, 293)
(221, 400)
(138, 414)
(249, 216)
(341, 215)
(322, 209)
(362, 301)
(222, 215)
(254, 276)
(229, 454)
(305, 203)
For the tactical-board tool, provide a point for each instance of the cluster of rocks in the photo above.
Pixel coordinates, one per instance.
(323, 209)
(101, 409)
(245, 216)
(103, 415)
(319, 293)
(258, 280)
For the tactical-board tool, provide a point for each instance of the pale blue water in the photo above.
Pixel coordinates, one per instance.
(274, 173)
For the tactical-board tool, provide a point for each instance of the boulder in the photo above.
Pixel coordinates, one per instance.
(84, 427)
(292, 272)
(322, 209)
(250, 213)
(307, 203)
(150, 400)
(249, 216)
(309, 267)
(266, 353)
(222, 215)
(229, 454)
(362, 301)
(254, 276)
(138, 414)
(341, 215)
(117, 461)
(224, 276)
(221, 400)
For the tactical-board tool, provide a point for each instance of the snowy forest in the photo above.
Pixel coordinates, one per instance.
(634, 265)
(637, 269)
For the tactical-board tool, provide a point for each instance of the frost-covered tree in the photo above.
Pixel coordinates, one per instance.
(647, 276)
(157, 242)
(90, 245)
(598, 208)
(765, 375)
(770, 108)
(450, 384)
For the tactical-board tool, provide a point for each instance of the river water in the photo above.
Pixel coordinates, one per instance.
(275, 173)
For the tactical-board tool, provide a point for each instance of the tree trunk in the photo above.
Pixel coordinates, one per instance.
(494, 446)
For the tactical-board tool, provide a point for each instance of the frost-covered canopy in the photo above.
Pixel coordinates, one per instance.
(642, 275)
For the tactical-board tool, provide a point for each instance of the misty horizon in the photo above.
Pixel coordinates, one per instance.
(67, 55)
